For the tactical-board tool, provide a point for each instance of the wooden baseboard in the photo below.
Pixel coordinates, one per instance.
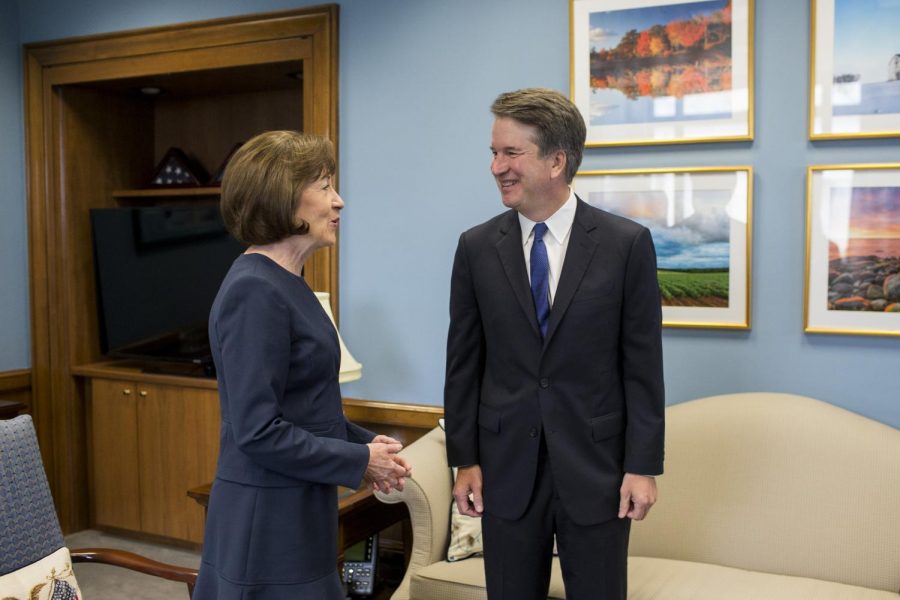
(15, 386)
(17, 380)
(149, 537)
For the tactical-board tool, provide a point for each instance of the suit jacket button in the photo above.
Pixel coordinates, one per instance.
(533, 432)
(545, 383)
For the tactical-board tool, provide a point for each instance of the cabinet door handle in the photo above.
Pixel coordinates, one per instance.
(126, 392)
(142, 393)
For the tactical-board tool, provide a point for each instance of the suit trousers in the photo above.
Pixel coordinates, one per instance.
(518, 554)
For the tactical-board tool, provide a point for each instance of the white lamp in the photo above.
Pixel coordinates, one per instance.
(351, 370)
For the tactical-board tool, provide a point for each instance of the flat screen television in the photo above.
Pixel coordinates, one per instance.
(158, 270)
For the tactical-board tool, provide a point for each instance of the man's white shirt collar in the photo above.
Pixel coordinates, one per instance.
(559, 224)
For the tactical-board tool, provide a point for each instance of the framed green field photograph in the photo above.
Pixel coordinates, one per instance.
(853, 249)
(700, 220)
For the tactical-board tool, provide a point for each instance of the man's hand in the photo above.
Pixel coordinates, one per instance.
(468, 481)
(386, 470)
(636, 496)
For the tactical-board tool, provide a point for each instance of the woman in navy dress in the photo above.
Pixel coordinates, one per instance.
(285, 445)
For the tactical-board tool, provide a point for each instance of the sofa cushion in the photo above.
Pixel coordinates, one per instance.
(666, 579)
(465, 534)
(464, 580)
(652, 579)
(465, 531)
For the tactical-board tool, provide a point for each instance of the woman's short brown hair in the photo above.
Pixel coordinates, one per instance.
(263, 181)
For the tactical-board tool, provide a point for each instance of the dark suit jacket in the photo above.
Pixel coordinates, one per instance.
(285, 444)
(594, 386)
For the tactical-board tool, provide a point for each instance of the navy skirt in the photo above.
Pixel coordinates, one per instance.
(277, 543)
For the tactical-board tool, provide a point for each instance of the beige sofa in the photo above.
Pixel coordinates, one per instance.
(765, 496)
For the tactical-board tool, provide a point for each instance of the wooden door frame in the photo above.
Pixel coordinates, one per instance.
(57, 403)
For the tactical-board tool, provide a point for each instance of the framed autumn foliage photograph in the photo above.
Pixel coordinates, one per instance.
(662, 71)
(700, 221)
(853, 249)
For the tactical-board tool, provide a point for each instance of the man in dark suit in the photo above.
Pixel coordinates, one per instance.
(553, 397)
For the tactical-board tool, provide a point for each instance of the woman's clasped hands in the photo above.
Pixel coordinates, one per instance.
(386, 470)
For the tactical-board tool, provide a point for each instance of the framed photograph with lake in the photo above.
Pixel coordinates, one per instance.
(662, 71)
(855, 69)
(853, 249)
(700, 220)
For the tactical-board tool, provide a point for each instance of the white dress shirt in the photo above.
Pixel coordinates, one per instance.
(559, 228)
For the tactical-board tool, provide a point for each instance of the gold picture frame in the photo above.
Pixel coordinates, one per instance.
(662, 71)
(701, 220)
(854, 72)
(852, 274)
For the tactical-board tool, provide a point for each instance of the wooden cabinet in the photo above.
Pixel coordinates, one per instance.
(114, 454)
(178, 433)
(151, 442)
(101, 112)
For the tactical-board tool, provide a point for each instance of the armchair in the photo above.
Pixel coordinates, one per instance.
(30, 533)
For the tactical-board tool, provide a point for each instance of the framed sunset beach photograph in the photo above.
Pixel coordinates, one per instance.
(662, 71)
(853, 249)
(700, 221)
(855, 69)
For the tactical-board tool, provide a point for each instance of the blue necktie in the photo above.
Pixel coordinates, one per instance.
(540, 277)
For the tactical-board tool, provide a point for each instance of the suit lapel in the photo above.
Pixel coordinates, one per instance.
(512, 257)
(578, 256)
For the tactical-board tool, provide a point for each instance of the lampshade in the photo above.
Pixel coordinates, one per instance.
(350, 369)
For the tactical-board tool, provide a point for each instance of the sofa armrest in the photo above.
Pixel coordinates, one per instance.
(427, 494)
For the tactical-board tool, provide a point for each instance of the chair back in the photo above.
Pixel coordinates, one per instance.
(29, 527)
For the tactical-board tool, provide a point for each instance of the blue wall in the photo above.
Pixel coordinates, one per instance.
(417, 78)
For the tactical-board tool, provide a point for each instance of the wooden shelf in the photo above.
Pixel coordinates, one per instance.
(146, 372)
(167, 192)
